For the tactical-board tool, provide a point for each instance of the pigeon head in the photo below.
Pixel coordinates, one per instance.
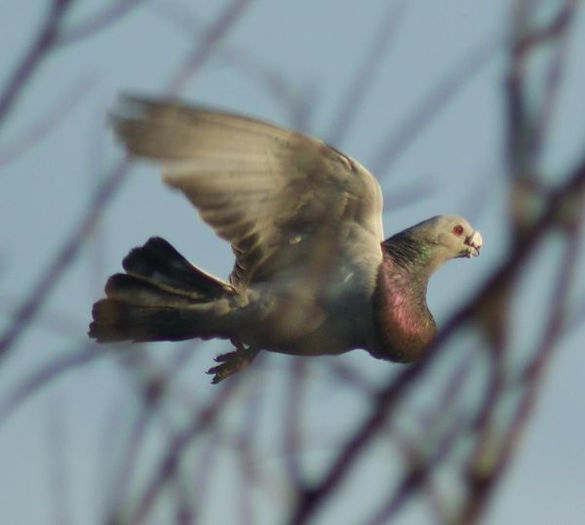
(451, 236)
(432, 242)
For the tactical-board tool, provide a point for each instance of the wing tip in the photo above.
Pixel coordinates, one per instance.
(128, 106)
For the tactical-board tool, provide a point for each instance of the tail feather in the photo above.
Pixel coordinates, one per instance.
(116, 320)
(157, 261)
(136, 291)
(162, 297)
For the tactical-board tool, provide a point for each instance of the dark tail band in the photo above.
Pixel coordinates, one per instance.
(161, 297)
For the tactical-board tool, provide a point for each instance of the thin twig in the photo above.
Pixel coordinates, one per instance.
(68, 253)
(363, 78)
(48, 122)
(44, 375)
(38, 51)
(100, 20)
(433, 102)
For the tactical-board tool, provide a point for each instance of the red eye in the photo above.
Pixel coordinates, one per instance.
(458, 230)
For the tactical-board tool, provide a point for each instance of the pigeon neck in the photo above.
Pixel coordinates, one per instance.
(404, 323)
(410, 256)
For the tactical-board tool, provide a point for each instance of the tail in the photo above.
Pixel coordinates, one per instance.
(161, 297)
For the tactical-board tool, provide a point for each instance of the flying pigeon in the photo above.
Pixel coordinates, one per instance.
(312, 273)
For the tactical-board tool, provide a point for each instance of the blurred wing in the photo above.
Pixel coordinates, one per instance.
(276, 195)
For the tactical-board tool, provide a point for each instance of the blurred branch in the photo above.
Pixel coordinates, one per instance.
(416, 477)
(387, 399)
(52, 35)
(48, 122)
(55, 322)
(40, 48)
(100, 20)
(45, 375)
(211, 36)
(202, 421)
(529, 120)
(209, 457)
(349, 107)
(245, 441)
(435, 100)
(153, 390)
(292, 424)
(36, 298)
(445, 428)
(349, 377)
(273, 81)
(46, 40)
(68, 253)
(59, 478)
(483, 475)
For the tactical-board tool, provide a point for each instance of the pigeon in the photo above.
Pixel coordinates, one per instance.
(312, 273)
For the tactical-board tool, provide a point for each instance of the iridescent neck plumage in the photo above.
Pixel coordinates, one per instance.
(410, 255)
(404, 323)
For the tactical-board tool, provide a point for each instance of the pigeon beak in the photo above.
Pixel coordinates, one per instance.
(473, 242)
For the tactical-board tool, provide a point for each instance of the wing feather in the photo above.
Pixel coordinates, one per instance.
(273, 193)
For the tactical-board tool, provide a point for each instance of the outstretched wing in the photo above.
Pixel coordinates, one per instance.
(279, 197)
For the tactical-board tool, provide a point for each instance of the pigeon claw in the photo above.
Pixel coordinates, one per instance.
(230, 363)
(222, 358)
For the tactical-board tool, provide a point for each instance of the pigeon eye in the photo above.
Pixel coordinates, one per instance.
(458, 230)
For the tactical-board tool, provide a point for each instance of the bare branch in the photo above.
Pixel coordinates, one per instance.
(109, 186)
(37, 297)
(437, 99)
(38, 51)
(208, 41)
(48, 122)
(43, 376)
(350, 105)
(101, 20)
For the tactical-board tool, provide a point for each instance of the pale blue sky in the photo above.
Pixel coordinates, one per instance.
(315, 47)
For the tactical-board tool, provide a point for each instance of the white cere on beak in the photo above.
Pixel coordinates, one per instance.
(474, 241)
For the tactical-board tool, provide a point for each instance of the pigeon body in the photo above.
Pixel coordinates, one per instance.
(312, 273)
